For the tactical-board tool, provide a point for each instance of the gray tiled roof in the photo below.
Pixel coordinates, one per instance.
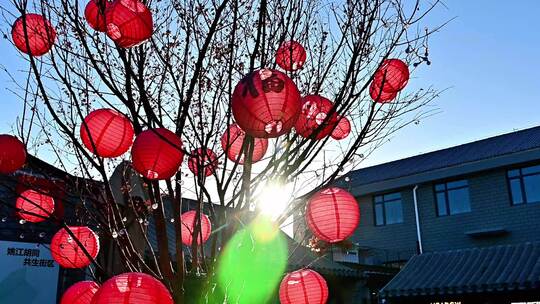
(492, 147)
(489, 269)
(301, 256)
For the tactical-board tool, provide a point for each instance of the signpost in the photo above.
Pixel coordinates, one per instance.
(29, 274)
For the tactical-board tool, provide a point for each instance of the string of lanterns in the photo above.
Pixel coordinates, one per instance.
(332, 214)
(131, 287)
(266, 103)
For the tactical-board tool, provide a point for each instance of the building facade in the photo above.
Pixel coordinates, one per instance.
(30, 275)
(478, 195)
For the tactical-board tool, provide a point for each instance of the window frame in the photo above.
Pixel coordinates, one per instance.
(446, 196)
(520, 177)
(382, 202)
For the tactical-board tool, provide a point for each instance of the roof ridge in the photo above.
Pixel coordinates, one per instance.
(466, 249)
(502, 145)
(452, 147)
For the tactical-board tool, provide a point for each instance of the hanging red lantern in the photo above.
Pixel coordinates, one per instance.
(34, 206)
(315, 109)
(332, 214)
(188, 228)
(110, 131)
(39, 38)
(129, 22)
(232, 141)
(379, 95)
(133, 288)
(392, 76)
(342, 129)
(80, 293)
(304, 286)
(291, 56)
(203, 159)
(157, 153)
(94, 14)
(47, 186)
(12, 154)
(66, 251)
(266, 103)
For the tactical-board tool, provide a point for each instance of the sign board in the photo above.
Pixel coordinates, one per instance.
(28, 274)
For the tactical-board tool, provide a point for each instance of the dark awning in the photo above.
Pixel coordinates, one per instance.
(468, 271)
(300, 256)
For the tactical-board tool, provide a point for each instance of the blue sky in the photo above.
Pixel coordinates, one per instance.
(488, 57)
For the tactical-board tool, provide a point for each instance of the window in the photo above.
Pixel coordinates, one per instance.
(452, 197)
(524, 185)
(388, 209)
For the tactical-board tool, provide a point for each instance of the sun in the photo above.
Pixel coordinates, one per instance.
(274, 199)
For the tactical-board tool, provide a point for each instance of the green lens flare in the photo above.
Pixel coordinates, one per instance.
(252, 263)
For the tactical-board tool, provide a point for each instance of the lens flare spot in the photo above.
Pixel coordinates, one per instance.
(252, 263)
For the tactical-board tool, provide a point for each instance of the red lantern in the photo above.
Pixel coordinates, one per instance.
(34, 206)
(157, 153)
(51, 187)
(204, 159)
(80, 293)
(129, 22)
(379, 95)
(266, 103)
(332, 214)
(133, 288)
(66, 251)
(111, 132)
(315, 109)
(392, 76)
(343, 128)
(12, 154)
(40, 34)
(232, 141)
(188, 228)
(303, 286)
(95, 14)
(291, 56)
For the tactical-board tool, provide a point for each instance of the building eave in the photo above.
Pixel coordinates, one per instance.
(447, 172)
